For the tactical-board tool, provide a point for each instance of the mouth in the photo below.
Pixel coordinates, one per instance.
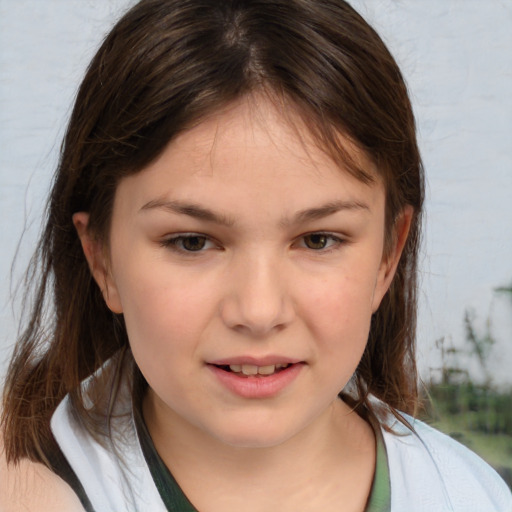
(260, 378)
(252, 370)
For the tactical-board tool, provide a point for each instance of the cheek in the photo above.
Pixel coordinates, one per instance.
(164, 314)
(339, 311)
(348, 295)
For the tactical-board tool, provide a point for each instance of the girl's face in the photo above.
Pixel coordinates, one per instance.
(247, 266)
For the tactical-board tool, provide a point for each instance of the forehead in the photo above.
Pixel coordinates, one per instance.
(252, 147)
(267, 125)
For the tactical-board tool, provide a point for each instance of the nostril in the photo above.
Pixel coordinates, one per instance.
(256, 306)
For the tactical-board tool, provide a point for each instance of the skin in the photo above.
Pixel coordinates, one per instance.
(290, 268)
(28, 486)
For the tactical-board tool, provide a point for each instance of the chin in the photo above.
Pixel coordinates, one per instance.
(254, 435)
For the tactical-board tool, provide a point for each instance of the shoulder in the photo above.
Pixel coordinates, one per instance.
(29, 486)
(433, 469)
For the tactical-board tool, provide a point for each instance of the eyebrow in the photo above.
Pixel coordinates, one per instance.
(201, 213)
(192, 210)
(325, 210)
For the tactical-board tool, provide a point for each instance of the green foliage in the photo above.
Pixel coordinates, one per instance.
(480, 408)
(480, 345)
(476, 414)
(504, 289)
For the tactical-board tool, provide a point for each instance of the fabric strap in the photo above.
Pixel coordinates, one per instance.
(61, 467)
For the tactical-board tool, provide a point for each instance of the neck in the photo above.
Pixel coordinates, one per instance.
(338, 447)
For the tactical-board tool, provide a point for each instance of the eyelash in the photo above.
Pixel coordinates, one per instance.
(175, 243)
(335, 241)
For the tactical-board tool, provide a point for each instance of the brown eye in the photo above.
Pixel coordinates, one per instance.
(188, 243)
(193, 243)
(316, 241)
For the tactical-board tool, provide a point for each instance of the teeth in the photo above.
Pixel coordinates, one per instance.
(251, 369)
(267, 370)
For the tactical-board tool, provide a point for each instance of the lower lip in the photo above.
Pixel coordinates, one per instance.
(257, 386)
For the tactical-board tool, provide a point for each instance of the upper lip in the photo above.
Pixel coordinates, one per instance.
(256, 361)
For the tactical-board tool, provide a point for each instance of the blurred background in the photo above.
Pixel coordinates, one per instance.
(456, 56)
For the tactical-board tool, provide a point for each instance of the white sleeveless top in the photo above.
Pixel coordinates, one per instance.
(429, 472)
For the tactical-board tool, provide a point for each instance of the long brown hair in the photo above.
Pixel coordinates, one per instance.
(165, 66)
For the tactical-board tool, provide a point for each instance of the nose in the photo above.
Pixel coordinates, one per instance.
(257, 301)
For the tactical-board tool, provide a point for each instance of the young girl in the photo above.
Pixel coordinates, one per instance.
(225, 314)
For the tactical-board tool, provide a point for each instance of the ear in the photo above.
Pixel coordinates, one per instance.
(97, 259)
(390, 260)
